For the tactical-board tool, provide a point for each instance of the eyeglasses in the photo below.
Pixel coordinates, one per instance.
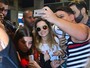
(44, 27)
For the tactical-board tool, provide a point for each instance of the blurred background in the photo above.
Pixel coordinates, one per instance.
(18, 6)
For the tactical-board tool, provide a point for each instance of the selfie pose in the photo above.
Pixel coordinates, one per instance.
(46, 43)
(78, 44)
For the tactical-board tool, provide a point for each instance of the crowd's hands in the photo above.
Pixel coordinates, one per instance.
(49, 15)
(63, 44)
(58, 53)
(62, 41)
(56, 63)
(46, 56)
(33, 64)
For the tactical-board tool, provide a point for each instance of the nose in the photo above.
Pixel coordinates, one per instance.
(32, 19)
(28, 45)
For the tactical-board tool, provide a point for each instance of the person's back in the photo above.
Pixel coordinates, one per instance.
(9, 27)
(8, 56)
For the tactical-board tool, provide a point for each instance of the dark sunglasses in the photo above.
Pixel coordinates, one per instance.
(44, 27)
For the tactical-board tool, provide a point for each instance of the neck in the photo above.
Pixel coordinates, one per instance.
(44, 39)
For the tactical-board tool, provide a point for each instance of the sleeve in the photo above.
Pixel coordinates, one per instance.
(57, 40)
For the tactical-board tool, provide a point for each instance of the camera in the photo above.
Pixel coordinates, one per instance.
(38, 12)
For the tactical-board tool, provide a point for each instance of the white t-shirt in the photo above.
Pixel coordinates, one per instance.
(45, 47)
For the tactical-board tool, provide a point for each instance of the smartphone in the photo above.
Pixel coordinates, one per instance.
(31, 57)
(38, 12)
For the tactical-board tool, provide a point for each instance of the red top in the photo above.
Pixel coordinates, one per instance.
(24, 63)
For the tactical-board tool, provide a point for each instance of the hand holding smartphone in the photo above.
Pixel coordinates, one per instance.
(38, 12)
(31, 57)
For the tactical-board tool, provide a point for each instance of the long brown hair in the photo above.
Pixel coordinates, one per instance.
(50, 38)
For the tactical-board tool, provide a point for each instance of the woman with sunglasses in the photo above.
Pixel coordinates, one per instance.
(46, 42)
(78, 49)
(25, 48)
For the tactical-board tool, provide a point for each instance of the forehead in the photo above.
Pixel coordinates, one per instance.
(2, 5)
(27, 38)
(28, 13)
(41, 23)
(61, 13)
(6, 6)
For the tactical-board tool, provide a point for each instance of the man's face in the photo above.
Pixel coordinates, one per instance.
(63, 15)
(3, 9)
(78, 13)
(28, 19)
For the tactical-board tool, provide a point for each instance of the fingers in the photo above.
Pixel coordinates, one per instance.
(47, 11)
(34, 64)
(46, 56)
(58, 53)
(55, 64)
(46, 8)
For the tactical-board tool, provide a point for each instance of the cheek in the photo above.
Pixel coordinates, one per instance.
(20, 45)
(47, 31)
(5, 13)
(29, 46)
(39, 33)
(66, 18)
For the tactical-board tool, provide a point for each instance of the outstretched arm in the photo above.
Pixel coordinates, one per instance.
(79, 32)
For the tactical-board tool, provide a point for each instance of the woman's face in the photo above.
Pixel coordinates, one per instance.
(42, 28)
(25, 44)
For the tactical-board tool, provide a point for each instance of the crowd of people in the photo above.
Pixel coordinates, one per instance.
(59, 39)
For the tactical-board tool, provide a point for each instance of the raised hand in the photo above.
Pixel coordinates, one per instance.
(49, 15)
(46, 56)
